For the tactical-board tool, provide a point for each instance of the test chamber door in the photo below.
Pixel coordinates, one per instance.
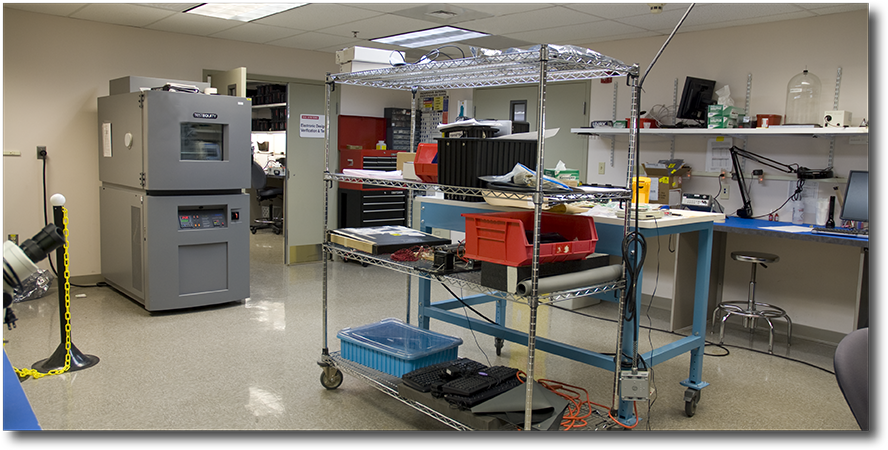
(173, 252)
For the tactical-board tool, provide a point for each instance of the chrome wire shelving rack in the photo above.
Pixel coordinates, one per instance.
(539, 65)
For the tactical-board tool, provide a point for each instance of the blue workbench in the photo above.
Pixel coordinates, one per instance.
(446, 214)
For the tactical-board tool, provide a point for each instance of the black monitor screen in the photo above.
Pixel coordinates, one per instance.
(695, 98)
(856, 206)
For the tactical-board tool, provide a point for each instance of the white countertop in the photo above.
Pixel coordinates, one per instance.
(686, 217)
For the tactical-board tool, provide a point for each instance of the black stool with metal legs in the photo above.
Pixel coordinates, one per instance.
(750, 309)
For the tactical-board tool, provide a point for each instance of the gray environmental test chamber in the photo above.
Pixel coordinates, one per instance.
(174, 218)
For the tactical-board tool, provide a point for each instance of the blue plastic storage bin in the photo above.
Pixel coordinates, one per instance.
(394, 347)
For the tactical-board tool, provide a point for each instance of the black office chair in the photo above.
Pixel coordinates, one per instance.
(852, 373)
(259, 179)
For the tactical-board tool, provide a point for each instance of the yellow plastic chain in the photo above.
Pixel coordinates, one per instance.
(25, 372)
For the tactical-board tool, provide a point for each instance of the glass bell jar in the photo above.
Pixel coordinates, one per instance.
(803, 100)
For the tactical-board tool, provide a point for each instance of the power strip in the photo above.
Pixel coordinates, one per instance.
(635, 387)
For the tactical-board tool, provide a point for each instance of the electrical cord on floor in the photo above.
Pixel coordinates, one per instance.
(707, 343)
(468, 322)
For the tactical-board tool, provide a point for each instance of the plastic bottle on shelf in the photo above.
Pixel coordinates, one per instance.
(380, 145)
(803, 100)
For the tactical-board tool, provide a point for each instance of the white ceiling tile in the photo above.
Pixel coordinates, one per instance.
(314, 17)
(530, 20)
(55, 9)
(312, 41)
(380, 26)
(384, 7)
(193, 24)
(330, 25)
(621, 10)
(574, 34)
(121, 14)
(502, 9)
(256, 33)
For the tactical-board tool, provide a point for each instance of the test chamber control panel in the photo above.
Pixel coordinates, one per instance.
(200, 219)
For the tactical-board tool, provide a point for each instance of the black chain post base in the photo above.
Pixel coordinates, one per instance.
(57, 360)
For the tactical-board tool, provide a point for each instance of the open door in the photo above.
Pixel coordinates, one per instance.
(304, 190)
(230, 82)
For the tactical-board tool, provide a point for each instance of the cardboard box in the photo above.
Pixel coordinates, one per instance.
(668, 178)
(404, 157)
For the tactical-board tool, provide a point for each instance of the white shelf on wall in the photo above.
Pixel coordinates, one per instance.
(734, 132)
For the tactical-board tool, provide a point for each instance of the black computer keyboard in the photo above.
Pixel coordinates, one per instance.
(484, 379)
(841, 231)
(468, 401)
(424, 378)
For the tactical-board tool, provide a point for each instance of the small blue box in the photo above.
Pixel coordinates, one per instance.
(394, 347)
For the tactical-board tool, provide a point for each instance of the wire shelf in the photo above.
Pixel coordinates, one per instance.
(521, 67)
(388, 384)
(603, 195)
(470, 280)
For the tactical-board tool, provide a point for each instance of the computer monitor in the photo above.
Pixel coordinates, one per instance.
(695, 99)
(856, 206)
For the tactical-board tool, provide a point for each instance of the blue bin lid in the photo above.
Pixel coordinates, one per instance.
(399, 339)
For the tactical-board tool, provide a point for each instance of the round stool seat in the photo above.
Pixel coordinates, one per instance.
(754, 257)
(751, 310)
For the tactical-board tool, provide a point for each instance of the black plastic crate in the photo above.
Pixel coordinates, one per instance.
(462, 160)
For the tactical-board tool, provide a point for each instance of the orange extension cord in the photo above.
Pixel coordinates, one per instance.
(573, 419)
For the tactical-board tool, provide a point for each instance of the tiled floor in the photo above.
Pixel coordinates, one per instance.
(252, 365)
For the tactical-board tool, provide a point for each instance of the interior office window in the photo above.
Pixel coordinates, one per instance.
(201, 141)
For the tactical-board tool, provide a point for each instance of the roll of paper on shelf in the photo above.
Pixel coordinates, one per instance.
(573, 280)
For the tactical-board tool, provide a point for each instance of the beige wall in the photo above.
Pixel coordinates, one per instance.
(773, 53)
(55, 68)
(816, 284)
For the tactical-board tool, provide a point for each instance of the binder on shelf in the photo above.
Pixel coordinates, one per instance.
(384, 239)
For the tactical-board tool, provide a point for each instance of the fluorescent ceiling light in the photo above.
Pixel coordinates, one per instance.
(434, 36)
(243, 12)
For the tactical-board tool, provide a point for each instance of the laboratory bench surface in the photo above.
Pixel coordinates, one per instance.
(761, 227)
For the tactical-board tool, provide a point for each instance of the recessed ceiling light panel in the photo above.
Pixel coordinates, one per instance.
(433, 36)
(243, 12)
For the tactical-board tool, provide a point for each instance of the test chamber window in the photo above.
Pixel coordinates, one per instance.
(202, 141)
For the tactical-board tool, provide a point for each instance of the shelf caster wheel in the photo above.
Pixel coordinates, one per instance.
(498, 343)
(252, 230)
(278, 231)
(333, 380)
(691, 397)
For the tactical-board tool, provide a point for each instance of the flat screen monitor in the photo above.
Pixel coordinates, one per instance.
(695, 99)
(856, 206)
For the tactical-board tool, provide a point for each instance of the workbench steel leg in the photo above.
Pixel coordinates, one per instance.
(701, 300)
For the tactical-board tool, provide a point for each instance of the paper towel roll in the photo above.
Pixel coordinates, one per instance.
(567, 281)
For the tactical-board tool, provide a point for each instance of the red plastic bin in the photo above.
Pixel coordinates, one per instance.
(501, 237)
(423, 163)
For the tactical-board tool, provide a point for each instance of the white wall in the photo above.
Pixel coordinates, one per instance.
(815, 283)
(54, 70)
(773, 53)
